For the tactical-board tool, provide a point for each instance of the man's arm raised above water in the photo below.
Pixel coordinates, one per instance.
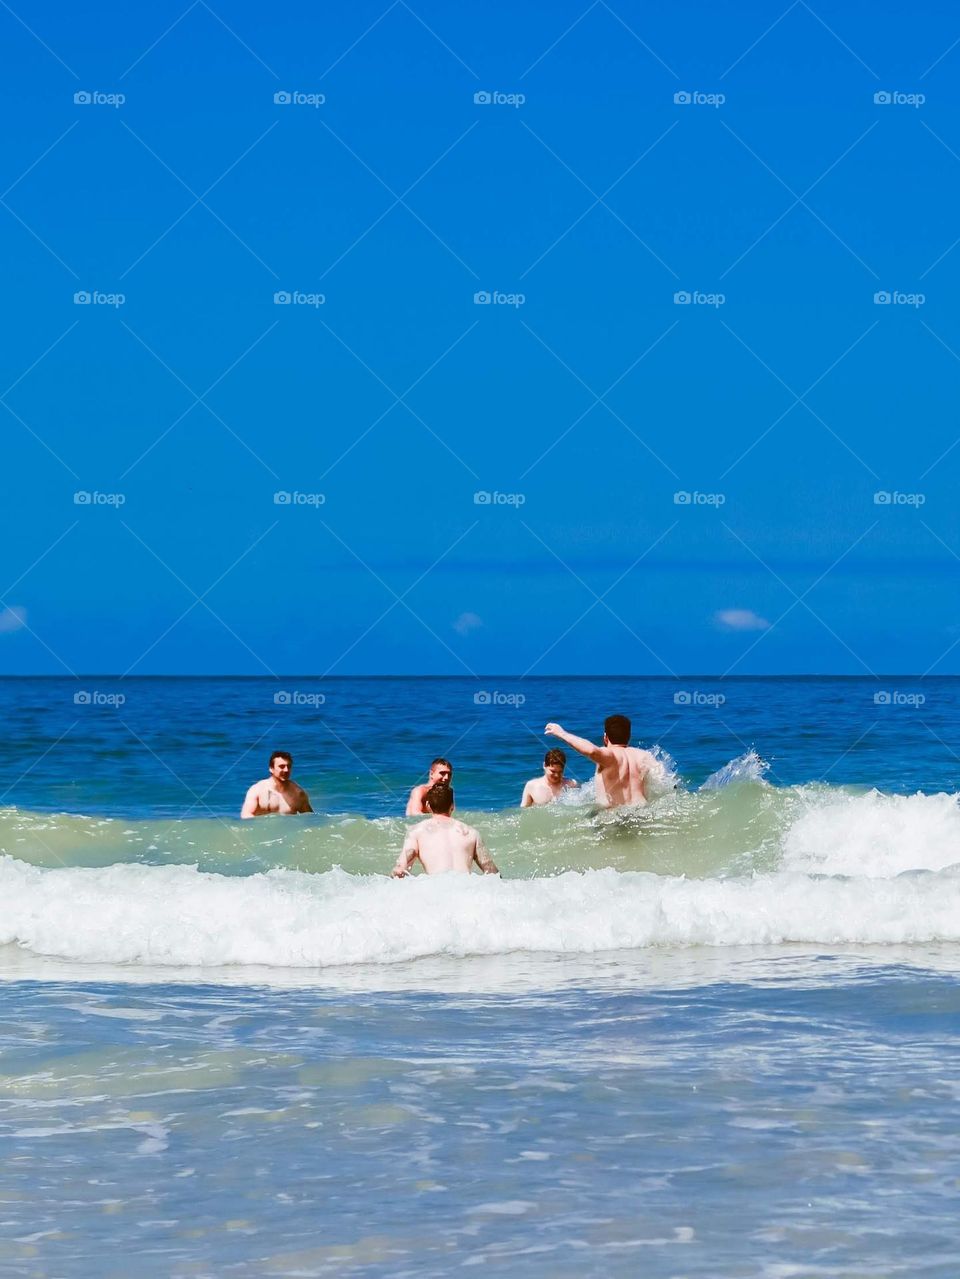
(597, 753)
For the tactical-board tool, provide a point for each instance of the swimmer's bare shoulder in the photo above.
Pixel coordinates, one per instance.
(253, 801)
(415, 802)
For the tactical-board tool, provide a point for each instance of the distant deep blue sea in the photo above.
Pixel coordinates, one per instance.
(714, 1037)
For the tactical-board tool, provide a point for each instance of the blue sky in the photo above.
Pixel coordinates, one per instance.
(782, 409)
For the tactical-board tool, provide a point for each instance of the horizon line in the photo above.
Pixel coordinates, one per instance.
(669, 679)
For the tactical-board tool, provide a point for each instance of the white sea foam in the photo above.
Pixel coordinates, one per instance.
(664, 777)
(176, 915)
(874, 835)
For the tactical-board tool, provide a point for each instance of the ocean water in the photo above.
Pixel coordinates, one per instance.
(716, 1037)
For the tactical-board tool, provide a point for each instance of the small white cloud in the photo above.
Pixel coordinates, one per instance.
(466, 623)
(12, 619)
(740, 619)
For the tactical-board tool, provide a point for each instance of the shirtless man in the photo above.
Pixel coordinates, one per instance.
(621, 769)
(545, 789)
(441, 770)
(276, 793)
(442, 842)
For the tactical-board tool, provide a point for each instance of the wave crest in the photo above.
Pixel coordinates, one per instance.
(179, 916)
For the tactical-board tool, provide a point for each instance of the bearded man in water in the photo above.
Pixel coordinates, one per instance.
(442, 842)
(622, 769)
(277, 793)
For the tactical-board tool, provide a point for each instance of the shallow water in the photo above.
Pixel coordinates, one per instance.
(785, 1121)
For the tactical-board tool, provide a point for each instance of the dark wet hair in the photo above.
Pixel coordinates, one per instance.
(617, 729)
(281, 755)
(440, 760)
(439, 798)
(555, 756)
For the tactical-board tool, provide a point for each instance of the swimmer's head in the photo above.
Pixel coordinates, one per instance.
(441, 770)
(616, 730)
(439, 798)
(554, 762)
(281, 762)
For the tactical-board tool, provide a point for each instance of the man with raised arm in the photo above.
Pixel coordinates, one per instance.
(441, 770)
(442, 842)
(553, 784)
(622, 770)
(277, 793)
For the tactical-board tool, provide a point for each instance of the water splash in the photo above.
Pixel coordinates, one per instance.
(745, 768)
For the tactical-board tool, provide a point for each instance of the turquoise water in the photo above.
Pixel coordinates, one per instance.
(715, 1038)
